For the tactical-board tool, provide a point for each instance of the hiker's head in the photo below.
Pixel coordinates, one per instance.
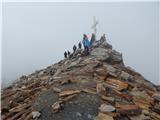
(84, 36)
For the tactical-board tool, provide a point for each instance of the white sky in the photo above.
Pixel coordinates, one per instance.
(36, 34)
(79, 0)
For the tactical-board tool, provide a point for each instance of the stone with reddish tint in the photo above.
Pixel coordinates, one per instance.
(128, 109)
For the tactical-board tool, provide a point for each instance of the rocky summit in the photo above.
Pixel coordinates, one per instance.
(97, 86)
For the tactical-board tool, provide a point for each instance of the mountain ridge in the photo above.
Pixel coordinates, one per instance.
(97, 86)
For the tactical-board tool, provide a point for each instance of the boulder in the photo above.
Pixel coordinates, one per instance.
(102, 43)
(101, 71)
(106, 108)
(57, 106)
(55, 89)
(110, 68)
(74, 64)
(102, 116)
(77, 53)
(116, 56)
(128, 109)
(100, 89)
(100, 54)
(78, 114)
(36, 114)
(108, 99)
(124, 75)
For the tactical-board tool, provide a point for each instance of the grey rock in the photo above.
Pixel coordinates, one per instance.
(78, 114)
(110, 68)
(89, 116)
(57, 72)
(124, 75)
(106, 45)
(146, 84)
(100, 53)
(23, 87)
(106, 108)
(36, 114)
(156, 97)
(23, 77)
(102, 43)
(78, 51)
(130, 68)
(41, 73)
(116, 56)
(73, 64)
(95, 118)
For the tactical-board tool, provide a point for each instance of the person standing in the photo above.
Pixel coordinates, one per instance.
(93, 38)
(74, 48)
(65, 54)
(79, 45)
(103, 38)
(69, 53)
(86, 44)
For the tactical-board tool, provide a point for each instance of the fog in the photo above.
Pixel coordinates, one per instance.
(36, 35)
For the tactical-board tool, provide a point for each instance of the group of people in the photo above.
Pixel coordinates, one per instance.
(86, 44)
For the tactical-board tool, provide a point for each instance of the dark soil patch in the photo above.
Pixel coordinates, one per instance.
(83, 107)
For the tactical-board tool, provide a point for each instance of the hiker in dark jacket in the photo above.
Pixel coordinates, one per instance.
(79, 45)
(65, 54)
(74, 48)
(93, 38)
(69, 53)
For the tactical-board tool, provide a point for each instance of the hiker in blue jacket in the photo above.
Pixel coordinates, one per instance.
(86, 44)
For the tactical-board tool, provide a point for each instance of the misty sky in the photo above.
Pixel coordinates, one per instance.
(36, 35)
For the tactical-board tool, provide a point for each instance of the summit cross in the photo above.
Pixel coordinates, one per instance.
(94, 27)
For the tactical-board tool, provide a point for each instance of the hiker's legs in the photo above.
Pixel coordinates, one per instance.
(87, 50)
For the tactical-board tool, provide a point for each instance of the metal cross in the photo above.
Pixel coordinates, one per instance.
(94, 27)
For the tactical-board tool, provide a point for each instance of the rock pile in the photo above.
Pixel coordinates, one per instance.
(94, 87)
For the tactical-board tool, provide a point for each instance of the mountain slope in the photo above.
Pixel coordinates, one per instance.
(97, 86)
